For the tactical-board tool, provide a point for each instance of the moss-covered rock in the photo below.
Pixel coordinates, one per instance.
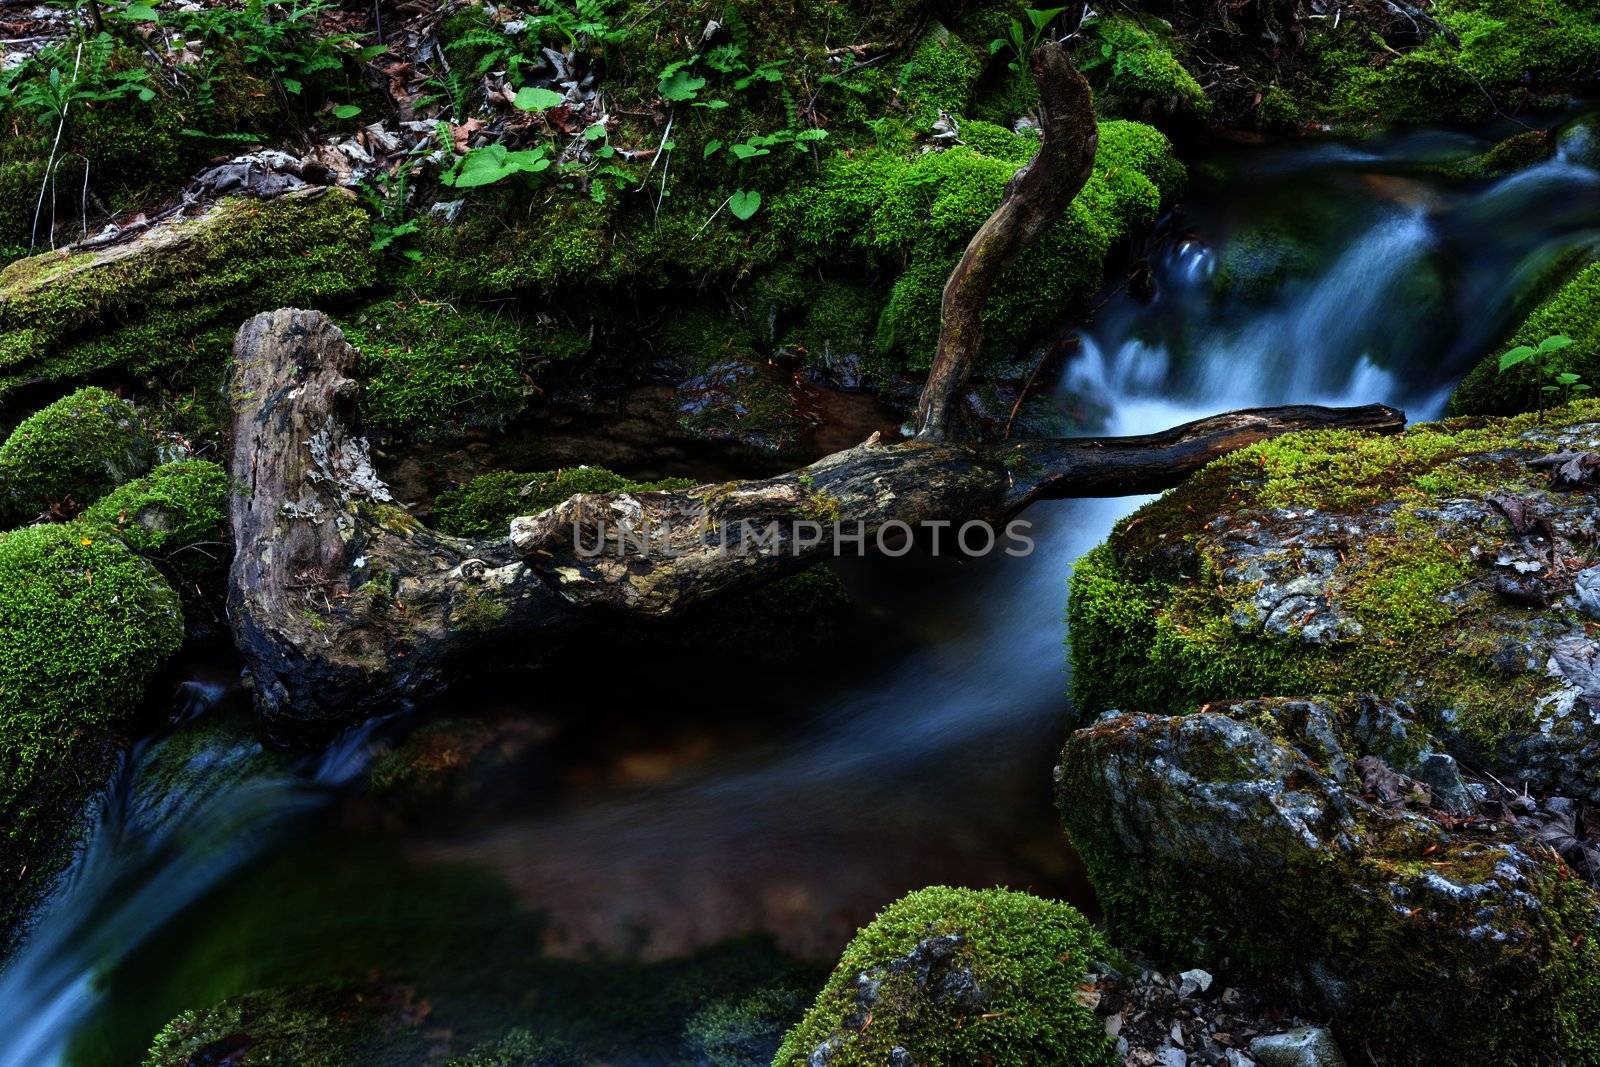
(70, 453)
(84, 625)
(177, 517)
(1134, 67)
(318, 1026)
(428, 368)
(1275, 838)
(134, 306)
(485, 506)
(1345, 562)
(1572, 311)
(745, 1032)
(520, 1048)
(1504, 157)
(947, 977)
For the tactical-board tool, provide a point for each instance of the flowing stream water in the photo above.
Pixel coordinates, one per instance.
(784, 801)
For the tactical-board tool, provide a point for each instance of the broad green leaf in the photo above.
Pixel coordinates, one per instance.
(595, 132)
(536, 98)
(747, 151)
(1554, 343)
(710, 149)
(346, 111)
(744, 204)
(137, 12)
(1520, 354)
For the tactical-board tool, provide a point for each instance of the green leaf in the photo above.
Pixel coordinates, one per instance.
(1520, 354)
(680, 85)
(711, 105)
(744, 204)
(1554, 343)
(811, 135)
(1041, 19)
(139, 12)
(747, 151)
(595, 132)
(291, 86)
(536, 98)
(346, 111)
(1568, 378)
(710, 149)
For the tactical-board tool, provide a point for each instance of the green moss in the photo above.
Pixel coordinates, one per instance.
(1510, 52)
(70, 453)
(1157, 626)
(745, 1032)
(1135, 70)
(1573, 311)
(1512, 154)
(925, 209)
(176, 516)
(64, 315)
(939, 77)
(428, 368)
(175, 507)
(318, 1026)
(84, 624)
(1027, 957)
(520, 1048)
(485, 506)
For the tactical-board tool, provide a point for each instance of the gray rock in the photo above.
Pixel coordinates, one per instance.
(1586, 587)
(1309, 1046)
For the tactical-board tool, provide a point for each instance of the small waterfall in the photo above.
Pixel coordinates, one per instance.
(169, 828)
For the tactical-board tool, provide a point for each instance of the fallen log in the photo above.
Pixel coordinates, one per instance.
(344, 605)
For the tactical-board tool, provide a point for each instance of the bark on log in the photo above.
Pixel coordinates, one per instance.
(344, 605)
(1036, 196)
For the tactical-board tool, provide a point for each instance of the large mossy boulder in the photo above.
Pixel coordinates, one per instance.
(84, 625)
(71, 453)
(1446, 565)
(1572, 311)
(166, 303)
(952, 977)
(1330, 846)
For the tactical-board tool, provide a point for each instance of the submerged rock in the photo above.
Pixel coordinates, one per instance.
(1288, 839)
(317, 1026)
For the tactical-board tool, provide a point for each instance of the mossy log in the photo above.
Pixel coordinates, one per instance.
(344, 605)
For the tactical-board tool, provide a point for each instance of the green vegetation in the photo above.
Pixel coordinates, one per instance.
(1017, 960)
(106, 113)
(428, 368)
(519, 1048)
(1507, 55)
(176, 517)
(485, 506)
(1572, 312)
(318, 1026)
(84, 624)
(1134, 67)
(70, 453)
